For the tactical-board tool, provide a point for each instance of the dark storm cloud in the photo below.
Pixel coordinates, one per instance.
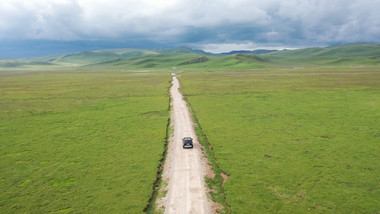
(193, 22)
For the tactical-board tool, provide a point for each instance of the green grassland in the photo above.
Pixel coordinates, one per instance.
(80, 142)
(296, 130)
(293, 141)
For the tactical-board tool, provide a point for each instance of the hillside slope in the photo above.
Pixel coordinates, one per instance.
(357, 53)
(363, 54)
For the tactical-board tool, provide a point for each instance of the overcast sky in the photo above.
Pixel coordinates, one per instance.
(212, 25)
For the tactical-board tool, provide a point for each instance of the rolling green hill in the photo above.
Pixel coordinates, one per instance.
(363, 54)
(20, 63)
(87, 57)
(357, 53)
(94, 57)
(186, 61)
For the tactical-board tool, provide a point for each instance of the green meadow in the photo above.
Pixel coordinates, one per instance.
(296, 131)
(78, 141)
(292, 141)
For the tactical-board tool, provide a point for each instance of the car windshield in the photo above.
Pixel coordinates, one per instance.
(188, 141)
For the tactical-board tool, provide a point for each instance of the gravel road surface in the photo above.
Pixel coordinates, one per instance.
(186, 188)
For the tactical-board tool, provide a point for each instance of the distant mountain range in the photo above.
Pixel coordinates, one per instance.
(365, 54)
(261, 51)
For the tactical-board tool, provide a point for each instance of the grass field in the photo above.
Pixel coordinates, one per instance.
(293, 141)
(84, 133)
(80, 142)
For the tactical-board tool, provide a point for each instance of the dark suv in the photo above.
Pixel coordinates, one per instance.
(187, 142)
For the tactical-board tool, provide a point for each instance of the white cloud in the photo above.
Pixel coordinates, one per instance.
(233, 22)
(247, 46)
(39, 19)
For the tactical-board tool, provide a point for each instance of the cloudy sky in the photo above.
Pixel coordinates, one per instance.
(40, 27)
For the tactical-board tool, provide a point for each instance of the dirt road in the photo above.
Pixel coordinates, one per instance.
(187, 192)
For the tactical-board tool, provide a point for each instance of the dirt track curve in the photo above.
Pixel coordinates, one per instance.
(187, 191)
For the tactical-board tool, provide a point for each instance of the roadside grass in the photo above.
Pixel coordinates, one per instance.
(292, 141)
(160, 185)
(215, 183)
(80, 142)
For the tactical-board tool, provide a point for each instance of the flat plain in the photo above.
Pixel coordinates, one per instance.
(295, 131)
(292, 141)
(80, 142)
